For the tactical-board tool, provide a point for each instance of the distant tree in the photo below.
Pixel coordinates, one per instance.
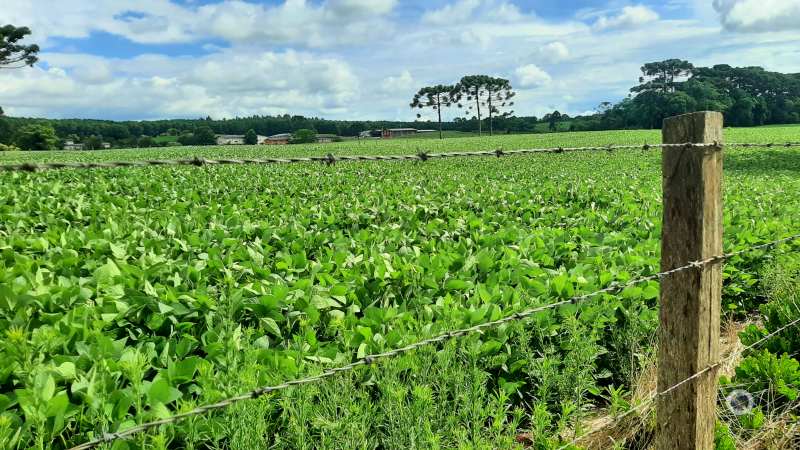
(5, 129)
(604, 107)
(486, 94)
(14, 55)
(660, 76)
(304, 136)
(186, 139)
(93, 143)
(436, 97)
(36, 137)
(251, 138)
(554, 118)
(117, 132)
(145, 142)
(204, 135)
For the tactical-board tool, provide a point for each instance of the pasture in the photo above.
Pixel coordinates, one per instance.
(132, 294)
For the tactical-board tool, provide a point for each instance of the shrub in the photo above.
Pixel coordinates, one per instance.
(36, 137)
(8, 148)
(304, 136)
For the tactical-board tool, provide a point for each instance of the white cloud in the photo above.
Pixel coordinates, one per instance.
(531, 76)
(553, 52)
(454, 13)
(759, 15)
(334, 22)
(300, 22)
(263, 83)
(629, 17)
(463, 11)
(402, 82)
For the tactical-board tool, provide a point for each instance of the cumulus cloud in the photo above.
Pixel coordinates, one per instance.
(298, 22)
(759, 15)
(531, 76)
(463, 11)
(630, 16)
(402, 82)
(334, 22)
(553, 52)
(263, 83)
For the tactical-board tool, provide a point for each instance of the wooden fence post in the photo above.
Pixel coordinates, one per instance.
(690, 300)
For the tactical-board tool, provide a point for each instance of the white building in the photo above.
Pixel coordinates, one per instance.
(230, 139)
(72, 145)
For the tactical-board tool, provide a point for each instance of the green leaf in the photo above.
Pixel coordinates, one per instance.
(160, 391)
(105, 274)
(272, 326)
(45, 386)
(456, 285)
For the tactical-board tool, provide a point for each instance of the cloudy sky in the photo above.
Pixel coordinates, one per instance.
(364, 59)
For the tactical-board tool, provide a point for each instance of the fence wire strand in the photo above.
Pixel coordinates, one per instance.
(330, 159)
(370, 359)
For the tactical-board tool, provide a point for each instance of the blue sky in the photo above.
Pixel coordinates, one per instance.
(364, 59)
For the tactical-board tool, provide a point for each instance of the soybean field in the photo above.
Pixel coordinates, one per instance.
(133, 294)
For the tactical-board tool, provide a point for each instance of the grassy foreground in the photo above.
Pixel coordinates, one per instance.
(128, 295)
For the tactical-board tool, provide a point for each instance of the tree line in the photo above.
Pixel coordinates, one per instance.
(747, 96)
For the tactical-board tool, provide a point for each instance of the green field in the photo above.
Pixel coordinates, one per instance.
(131, 294)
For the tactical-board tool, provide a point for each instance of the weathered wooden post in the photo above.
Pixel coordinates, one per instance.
(690, 299)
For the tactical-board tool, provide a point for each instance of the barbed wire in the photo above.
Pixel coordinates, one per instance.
(370, 359)
(767, 145)
(654, 397)
(329, 159)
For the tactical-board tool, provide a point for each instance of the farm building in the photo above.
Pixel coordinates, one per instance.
(230, 139)
(278, 139)
(370, 134)
(398, 132)
(324, 138)
(72, 145)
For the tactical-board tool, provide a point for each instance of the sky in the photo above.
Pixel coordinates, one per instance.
(365, 59)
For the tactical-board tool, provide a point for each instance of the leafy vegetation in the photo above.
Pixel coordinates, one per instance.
(130, 294)
(772, 373)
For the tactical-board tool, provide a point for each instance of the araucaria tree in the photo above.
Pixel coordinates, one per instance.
(485, 94)
(436, 97)
(14, 55)
(661, 76)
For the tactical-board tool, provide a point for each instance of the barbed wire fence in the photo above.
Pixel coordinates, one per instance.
(331, 159)
(614, 287)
